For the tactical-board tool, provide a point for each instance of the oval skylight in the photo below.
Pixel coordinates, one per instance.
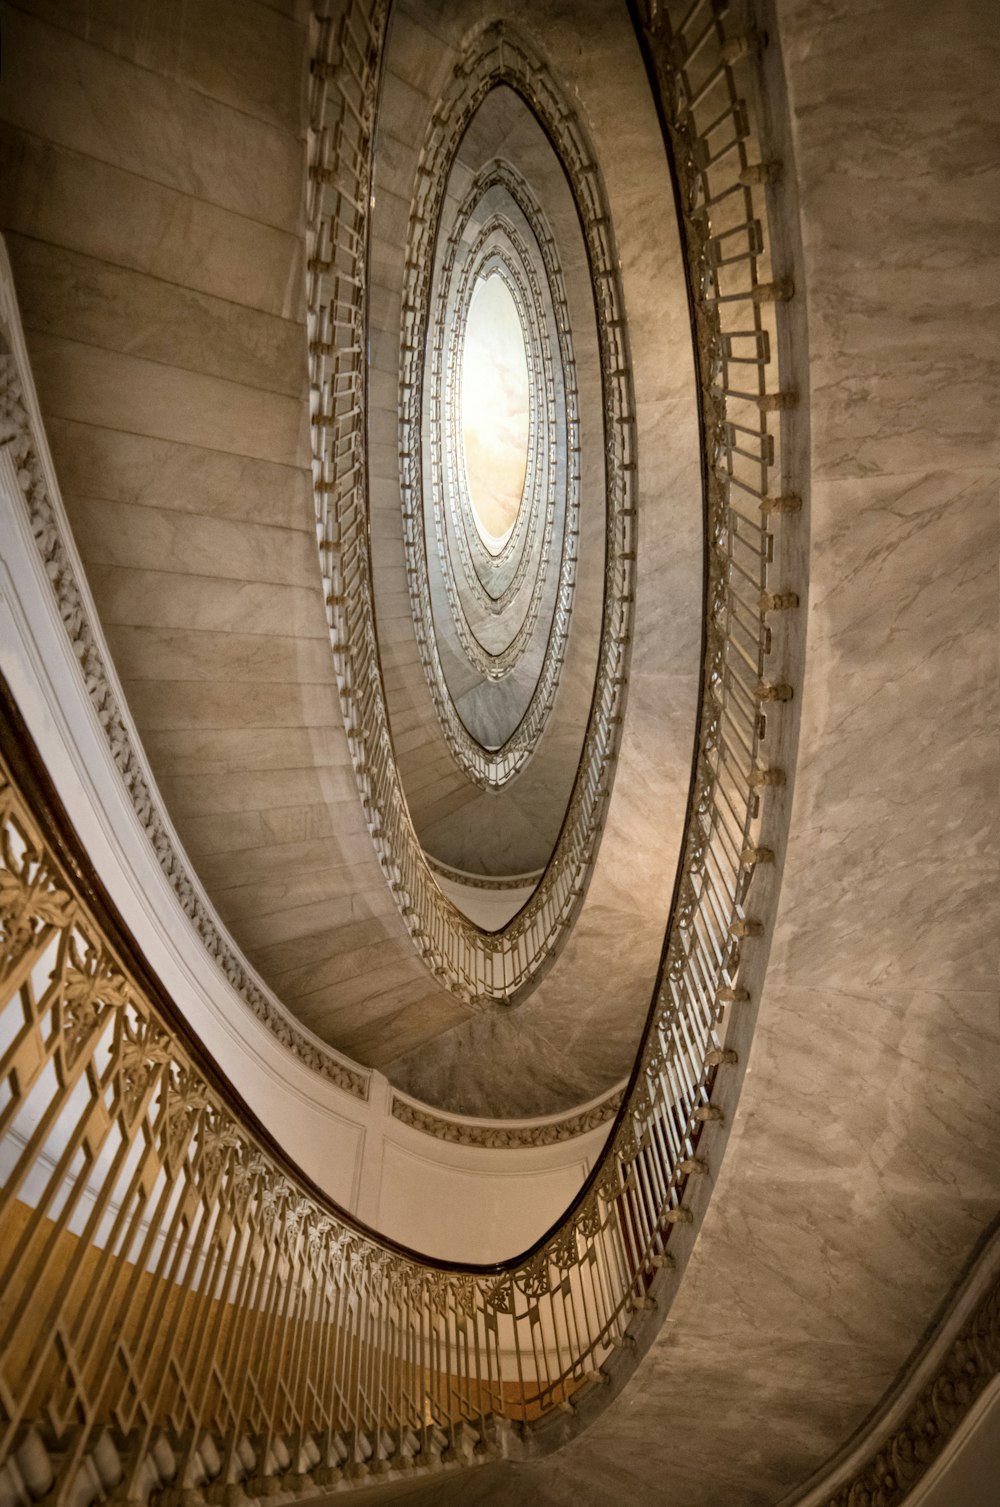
(495, 410)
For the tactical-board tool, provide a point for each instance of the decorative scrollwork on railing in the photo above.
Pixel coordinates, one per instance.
(452, 510)
(506, 568)
(453, 514)
(548, 495)
(498, 57)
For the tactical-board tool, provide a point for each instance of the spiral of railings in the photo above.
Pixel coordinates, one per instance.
(480, 968)
(187, 1320)
(552, 492)
(504, 569)
(503, 58)
(500, 588)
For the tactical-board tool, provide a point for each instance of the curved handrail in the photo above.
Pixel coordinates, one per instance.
(497, 260)
(498, 173)
(502, 58)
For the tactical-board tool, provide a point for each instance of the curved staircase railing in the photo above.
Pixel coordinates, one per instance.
(185, 1318)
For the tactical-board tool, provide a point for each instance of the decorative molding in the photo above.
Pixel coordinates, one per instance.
(471, 1133)
(493, 593)
(499, 55)
(22, 433)
(903, 1457)
(919, 1417)
(510, 261)
(484, 881)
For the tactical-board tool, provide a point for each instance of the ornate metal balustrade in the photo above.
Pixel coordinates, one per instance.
(506, 191)
(479, 967)
(453, 517)
(183, 1314)
(498, 57)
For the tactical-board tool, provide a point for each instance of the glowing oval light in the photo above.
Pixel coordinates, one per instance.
(495, 410)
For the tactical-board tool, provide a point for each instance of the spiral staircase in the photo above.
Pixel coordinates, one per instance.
(498, 1012)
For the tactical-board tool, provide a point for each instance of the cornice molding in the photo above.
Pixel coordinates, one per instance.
(512, 1137)
(914, 1424)
(483, 881)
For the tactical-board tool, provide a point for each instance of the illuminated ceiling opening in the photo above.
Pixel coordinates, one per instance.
(496, 415)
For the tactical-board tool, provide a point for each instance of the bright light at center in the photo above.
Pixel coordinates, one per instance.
(495, 409)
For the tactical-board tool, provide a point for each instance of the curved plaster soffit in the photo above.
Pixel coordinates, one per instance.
(481, 968)
(497, 58)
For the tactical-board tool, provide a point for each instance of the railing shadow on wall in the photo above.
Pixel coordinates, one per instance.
(185, 1315)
